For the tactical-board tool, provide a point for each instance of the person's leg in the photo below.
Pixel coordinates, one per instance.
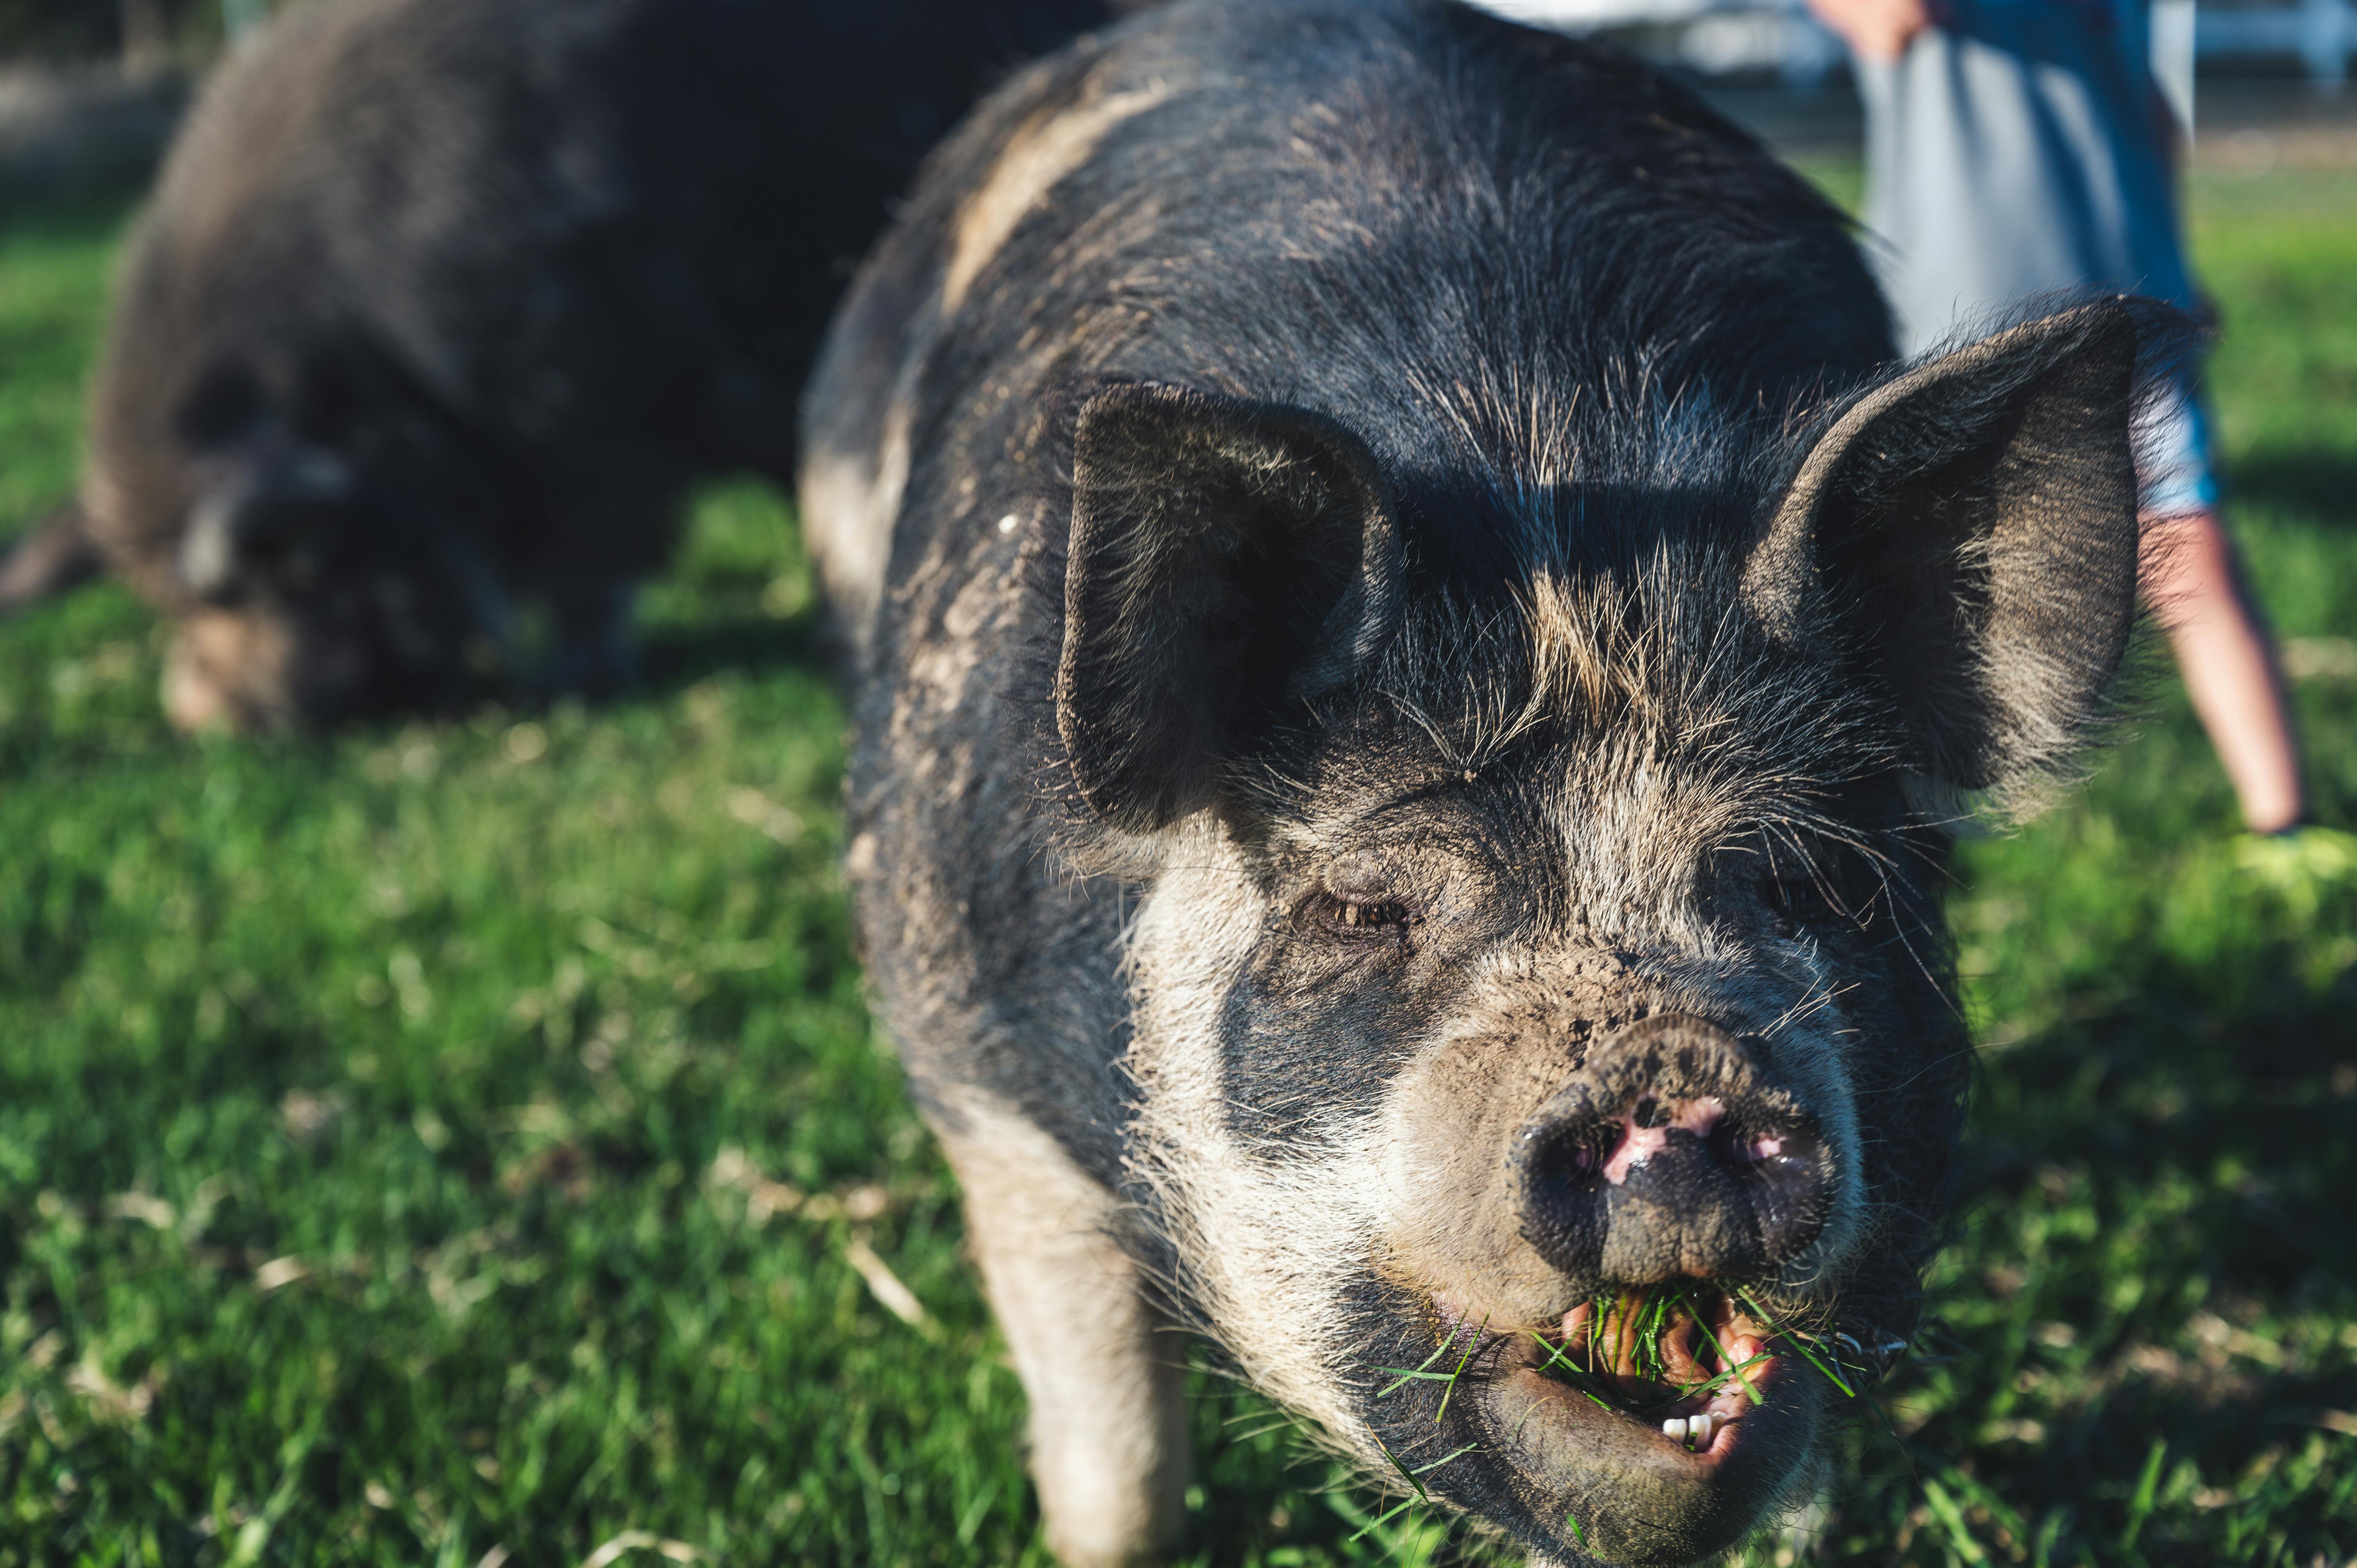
(2191, 580)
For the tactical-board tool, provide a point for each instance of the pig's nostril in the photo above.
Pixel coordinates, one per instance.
(1574, 1156)
(1781, 1172)
(1737, 1145)
(1563, 1182)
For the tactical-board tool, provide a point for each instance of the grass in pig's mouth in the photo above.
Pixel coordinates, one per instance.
(1692, 1358)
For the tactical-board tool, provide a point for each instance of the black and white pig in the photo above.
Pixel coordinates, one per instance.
(440, 306)
(1413, 656)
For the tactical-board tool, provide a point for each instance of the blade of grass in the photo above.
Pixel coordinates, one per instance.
(1436, 1464)
(1799, 1342)
(1406, 1474)
(1383, 1519)
(1726, 1359)
(1471, 1345)
(1944, 1508)
(1649, 1345)
(2140, 1503)
(1714, 1383)
(1420, 1371)
(1554, 1358)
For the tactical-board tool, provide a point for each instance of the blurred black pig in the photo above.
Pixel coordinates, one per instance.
(1416, 652)
(440, 306)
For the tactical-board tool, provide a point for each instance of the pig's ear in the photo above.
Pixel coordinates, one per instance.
(1229, 559)
(1972, 526)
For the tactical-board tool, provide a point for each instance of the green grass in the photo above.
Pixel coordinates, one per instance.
(395, 1129)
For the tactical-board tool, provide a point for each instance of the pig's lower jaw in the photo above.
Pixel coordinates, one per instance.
(1612, 1485)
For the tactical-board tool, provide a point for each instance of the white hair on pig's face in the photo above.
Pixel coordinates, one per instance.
(1264, 1247)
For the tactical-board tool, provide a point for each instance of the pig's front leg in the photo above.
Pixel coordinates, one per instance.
(1105, 1378)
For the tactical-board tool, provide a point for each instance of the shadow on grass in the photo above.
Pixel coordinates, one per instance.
(2138, 1350)
(2318, 482)
(78, 210)
(675, 656)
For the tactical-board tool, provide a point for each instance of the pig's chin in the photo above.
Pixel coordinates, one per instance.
(1611, 1484)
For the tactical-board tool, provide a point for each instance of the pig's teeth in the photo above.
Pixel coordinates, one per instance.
(1675, 1428)
(1699, 1430)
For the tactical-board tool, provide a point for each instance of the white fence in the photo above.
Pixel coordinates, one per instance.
(2321, 32)
(1721, 37)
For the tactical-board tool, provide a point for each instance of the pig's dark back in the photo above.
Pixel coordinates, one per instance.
(1348, 207)
(1508, 260)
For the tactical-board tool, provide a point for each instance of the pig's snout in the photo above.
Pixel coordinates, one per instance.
(1671, 1152)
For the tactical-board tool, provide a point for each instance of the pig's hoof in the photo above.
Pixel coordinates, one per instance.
(1100, 1536)
(1111, 1501)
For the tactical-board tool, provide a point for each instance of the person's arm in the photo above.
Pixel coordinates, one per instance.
(1876, 30)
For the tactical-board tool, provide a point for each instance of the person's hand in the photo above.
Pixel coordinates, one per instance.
(1878, 29)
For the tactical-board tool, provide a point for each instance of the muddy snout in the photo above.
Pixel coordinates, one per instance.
(1673, 1152)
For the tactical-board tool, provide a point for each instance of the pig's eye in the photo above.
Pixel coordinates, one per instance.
(1364, 917)
(1835, 889)
(1796, 899)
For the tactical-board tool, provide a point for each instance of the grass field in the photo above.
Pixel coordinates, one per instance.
(464, 1142)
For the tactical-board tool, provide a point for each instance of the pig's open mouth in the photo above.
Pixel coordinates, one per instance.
(1692, 1361)
(1654, 1426)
